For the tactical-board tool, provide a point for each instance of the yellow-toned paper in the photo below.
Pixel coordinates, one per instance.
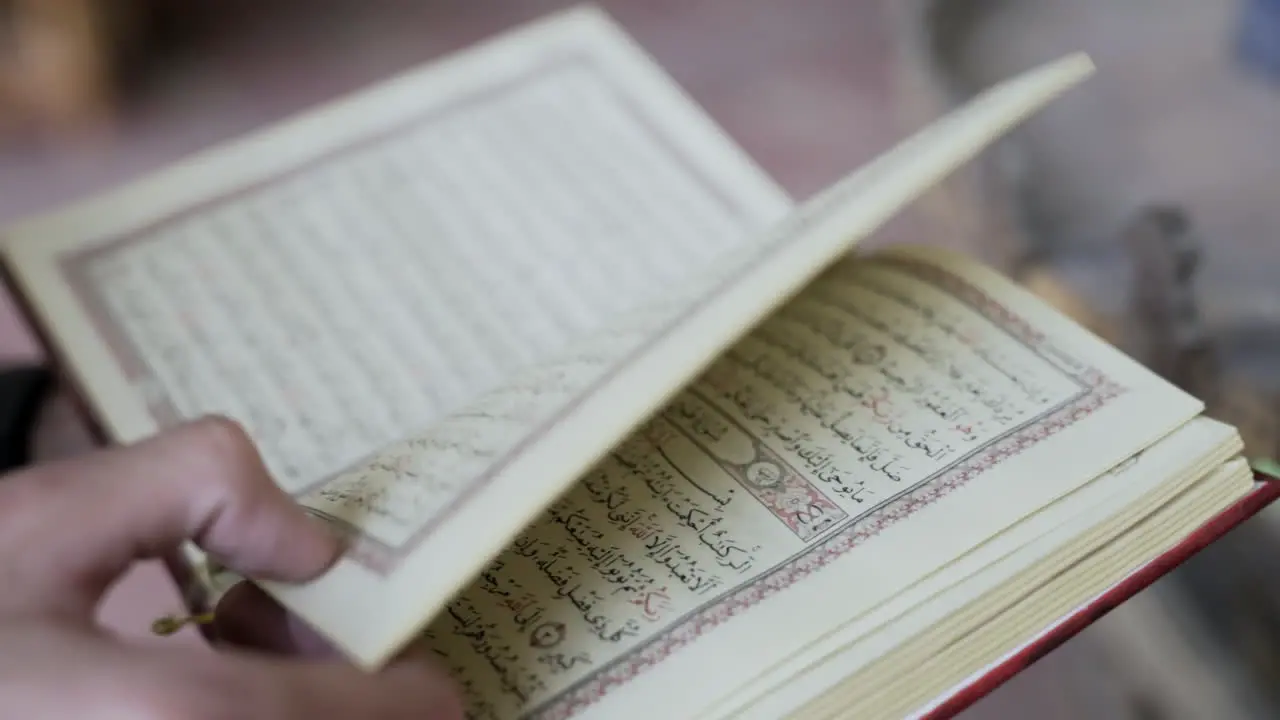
(477, 478)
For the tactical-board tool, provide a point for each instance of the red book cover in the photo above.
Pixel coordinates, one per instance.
(1266, 491)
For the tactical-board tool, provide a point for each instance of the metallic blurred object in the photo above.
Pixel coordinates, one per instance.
(1137, 292)
(1166, 252)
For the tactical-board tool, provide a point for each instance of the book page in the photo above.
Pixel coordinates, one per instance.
(1153, 537)
(475, 479)
(899, 413)
(986, 580)
(350, 277)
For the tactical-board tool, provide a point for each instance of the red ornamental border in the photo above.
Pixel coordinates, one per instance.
(1102, 391)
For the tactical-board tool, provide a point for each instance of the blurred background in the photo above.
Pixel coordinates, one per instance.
(1146, 204)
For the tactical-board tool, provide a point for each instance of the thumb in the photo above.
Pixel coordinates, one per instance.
(92, 517)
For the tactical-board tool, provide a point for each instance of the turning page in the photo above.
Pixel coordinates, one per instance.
(429, 512)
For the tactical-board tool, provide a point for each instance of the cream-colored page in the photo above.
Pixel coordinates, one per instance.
(1135, 488)
(897, 414)
(475, 479)
(350, 277)
(898, 697)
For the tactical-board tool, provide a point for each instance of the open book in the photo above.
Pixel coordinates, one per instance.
(614, 428)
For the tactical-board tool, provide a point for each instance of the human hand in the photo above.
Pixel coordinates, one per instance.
(69, 530)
